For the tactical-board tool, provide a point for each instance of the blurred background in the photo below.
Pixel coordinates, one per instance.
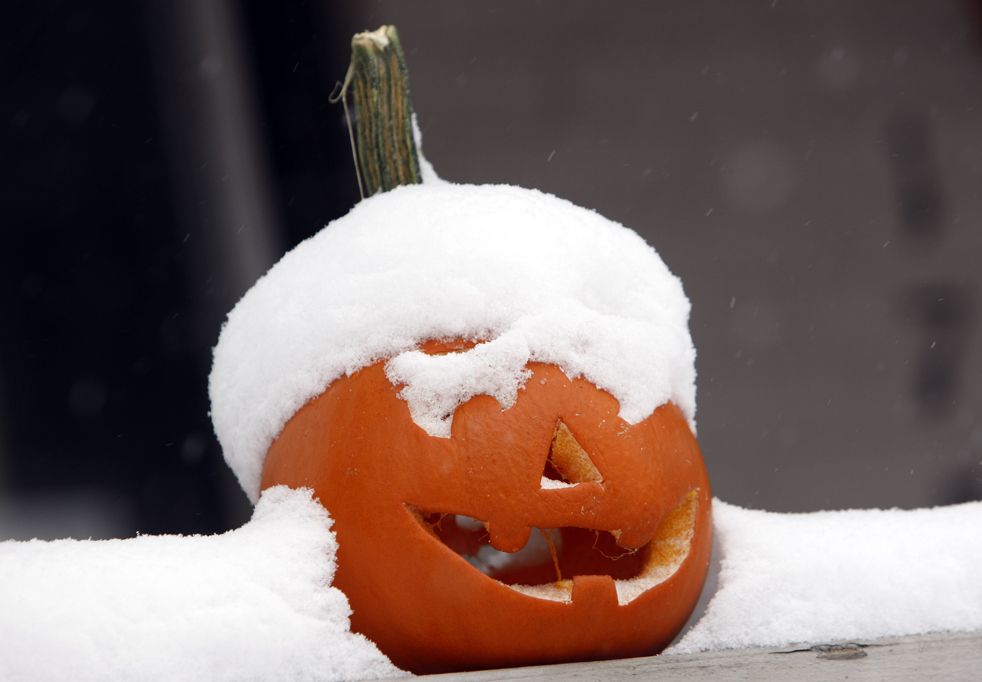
(811, 170)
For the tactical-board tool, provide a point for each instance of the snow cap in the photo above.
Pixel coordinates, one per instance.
(531, 276)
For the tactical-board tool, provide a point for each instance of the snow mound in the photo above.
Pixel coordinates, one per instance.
(841, 575)
(531, 276)
(252, 604)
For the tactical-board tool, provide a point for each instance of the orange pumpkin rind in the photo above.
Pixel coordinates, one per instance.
(396, 494)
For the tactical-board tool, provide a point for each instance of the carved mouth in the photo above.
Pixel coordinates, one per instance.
(545, 566)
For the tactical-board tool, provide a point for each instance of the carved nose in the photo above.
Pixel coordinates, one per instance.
(568, 462)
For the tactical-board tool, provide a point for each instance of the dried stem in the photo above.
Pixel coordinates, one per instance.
(383, 111)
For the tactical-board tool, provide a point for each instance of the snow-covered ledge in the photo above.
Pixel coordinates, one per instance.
(945, 657)
(831, 576)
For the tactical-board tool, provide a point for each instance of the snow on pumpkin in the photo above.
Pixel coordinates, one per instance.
(529, 276)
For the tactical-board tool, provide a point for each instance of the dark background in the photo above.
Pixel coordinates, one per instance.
(812, 171)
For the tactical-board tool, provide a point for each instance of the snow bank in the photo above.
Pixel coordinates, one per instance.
(252, 604)
(841, 575)
(532, 276)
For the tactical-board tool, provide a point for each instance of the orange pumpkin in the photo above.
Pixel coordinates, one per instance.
(614, 520)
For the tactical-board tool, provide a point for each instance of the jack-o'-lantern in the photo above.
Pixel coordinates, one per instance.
(492, 392)
(551, 531)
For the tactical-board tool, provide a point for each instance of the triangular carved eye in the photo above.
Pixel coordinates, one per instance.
(568, 458)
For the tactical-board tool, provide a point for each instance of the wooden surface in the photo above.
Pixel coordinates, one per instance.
(947, 656)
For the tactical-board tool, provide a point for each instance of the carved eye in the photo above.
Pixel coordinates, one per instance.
(568, 463)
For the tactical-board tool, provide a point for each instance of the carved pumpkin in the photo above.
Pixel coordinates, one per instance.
(612, 520)
(596, 502)
(491, 509)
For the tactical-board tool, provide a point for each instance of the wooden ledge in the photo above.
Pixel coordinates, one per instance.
(952, 657)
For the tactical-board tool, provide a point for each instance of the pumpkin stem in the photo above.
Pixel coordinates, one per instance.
(386, 155)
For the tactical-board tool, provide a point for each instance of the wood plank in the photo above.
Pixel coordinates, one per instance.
(952, 657)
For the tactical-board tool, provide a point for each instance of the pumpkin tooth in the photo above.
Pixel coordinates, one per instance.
(507, 538)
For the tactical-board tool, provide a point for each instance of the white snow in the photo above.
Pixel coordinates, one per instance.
(436, 384)
(252, 604)
(426, 169)
(552, 484)
(530, 276)
(841, 575)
